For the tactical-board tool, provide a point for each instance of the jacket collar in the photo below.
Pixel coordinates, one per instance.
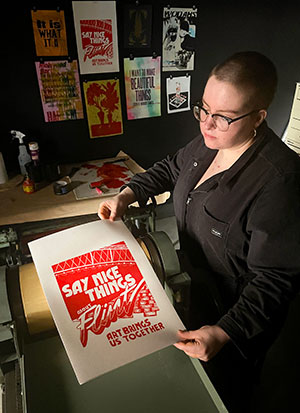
(246, 157)
(206, 155)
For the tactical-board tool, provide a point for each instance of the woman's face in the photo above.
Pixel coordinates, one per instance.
(223, 98)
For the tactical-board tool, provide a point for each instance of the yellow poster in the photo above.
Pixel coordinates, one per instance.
(49, 31)
(103, 107)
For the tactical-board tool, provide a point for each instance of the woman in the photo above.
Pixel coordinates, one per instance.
(236, 192)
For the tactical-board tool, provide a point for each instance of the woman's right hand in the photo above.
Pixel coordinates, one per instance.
(115, 207)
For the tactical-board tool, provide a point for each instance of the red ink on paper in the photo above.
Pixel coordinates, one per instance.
(112, 170)
(109, 182)
(104, 96)
(133, 331)
(96, 38)
(102, 286)
(113, 175)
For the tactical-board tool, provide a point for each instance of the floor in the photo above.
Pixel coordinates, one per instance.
(280, 380)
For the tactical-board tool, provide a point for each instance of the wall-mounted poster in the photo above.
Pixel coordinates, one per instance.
(96, 36)
(59, 90)
(142, 85)
(179, 37)
(292, 134)
(103, 106)
(178, 94)
(137, 26)
(49, 32)
(107, 302)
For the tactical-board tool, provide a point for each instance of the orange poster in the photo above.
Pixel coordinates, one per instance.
(49, 31)
(103, 106)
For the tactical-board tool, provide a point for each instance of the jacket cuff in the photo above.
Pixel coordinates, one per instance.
(140, 195)
(235, 333)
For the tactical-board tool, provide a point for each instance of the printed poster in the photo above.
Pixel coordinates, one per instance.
(96, 36)
(137, 26)
(178, 94)
(292, 135)
(60, 90)
(106, 301)
(49, 31)
(179, 37)
(103, 106)
(142, 86)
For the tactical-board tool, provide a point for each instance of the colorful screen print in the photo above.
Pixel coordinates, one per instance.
(107, 302)
(96, 36)
(142, 83)
(103, 106)
(49, 32)
(60, 90)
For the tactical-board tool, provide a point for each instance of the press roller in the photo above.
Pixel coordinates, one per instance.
(34, 313)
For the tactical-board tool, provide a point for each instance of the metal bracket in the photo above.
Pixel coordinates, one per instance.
(5, 313)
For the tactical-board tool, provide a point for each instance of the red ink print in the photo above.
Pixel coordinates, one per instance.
(113, 175)
(96, 37)
(102, 286)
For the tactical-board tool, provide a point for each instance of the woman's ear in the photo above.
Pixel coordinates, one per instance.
(261, 116)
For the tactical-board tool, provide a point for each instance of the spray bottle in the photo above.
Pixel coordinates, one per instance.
(24, 156)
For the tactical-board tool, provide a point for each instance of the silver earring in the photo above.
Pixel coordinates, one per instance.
(254, 133)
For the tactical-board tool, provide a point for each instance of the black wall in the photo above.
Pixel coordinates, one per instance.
(223, 28)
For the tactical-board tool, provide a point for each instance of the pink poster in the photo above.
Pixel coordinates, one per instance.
(96, 36)
(60, 90)
(107, 303)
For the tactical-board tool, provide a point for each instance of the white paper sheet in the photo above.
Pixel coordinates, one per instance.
(96, 36)
(107, 303)
(292, 135)
(178, 93)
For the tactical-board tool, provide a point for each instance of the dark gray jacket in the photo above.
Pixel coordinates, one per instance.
(243, 225)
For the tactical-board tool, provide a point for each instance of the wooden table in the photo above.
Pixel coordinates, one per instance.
(18, 207)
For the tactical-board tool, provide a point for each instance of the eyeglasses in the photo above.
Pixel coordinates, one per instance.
(221, 122)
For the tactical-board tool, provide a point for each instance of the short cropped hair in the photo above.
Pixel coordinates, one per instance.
(251, 71)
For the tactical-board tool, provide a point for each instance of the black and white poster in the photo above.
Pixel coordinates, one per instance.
(179, 37)
(178, 94)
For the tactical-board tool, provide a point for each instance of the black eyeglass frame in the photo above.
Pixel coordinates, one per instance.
(228, 120)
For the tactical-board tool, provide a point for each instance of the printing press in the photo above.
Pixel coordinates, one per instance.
(35, 372)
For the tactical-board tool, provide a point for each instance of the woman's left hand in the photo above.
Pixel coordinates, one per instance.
(204, 343)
